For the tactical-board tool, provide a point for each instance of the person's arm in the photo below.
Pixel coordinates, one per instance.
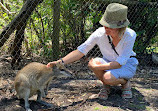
(98, 66)
(69, 58)
(82, 50)
(72, 56)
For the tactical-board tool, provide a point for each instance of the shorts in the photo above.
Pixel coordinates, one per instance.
(127, 71)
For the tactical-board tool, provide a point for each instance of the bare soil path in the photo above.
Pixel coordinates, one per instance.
(79, 93)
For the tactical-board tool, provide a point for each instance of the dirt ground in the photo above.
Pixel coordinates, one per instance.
(79, 92)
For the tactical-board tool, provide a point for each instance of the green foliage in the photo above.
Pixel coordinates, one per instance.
(145, 25)
(12, 6)
(78, 19)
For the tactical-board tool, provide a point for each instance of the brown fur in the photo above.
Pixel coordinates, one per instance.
(31, 79)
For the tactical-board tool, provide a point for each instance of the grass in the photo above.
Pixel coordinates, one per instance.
(96, 108)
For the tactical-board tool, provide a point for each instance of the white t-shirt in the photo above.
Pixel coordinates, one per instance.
(124, 48)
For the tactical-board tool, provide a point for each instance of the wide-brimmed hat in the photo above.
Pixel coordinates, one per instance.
(115, 16)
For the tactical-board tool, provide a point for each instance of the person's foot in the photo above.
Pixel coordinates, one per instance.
(104, 92)
(126, 90)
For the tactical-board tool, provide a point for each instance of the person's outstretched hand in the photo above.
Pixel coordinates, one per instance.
(51, 64)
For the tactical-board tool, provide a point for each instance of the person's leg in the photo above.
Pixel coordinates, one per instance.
(126, 90)
(126, 85)
(105, 91)
(105, 77)
(109, 79)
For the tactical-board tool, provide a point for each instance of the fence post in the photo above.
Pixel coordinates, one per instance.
(56, 30)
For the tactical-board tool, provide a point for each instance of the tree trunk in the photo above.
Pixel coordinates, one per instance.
(17, 45)
(23, 15)
(56, 30)
(19, 24)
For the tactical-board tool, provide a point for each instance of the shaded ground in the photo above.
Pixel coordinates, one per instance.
(79, 93)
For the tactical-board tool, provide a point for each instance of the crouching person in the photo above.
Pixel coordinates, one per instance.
(115, 42)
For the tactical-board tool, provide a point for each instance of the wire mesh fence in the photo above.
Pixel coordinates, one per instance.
(46, 30)
(43, 31)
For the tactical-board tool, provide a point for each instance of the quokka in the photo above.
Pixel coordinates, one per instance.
(33, 79)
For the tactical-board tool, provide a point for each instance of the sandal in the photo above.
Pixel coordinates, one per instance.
(126, 90)
(104, 92)
(126, 93)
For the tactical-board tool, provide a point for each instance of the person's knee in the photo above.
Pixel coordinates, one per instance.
(109, 79)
